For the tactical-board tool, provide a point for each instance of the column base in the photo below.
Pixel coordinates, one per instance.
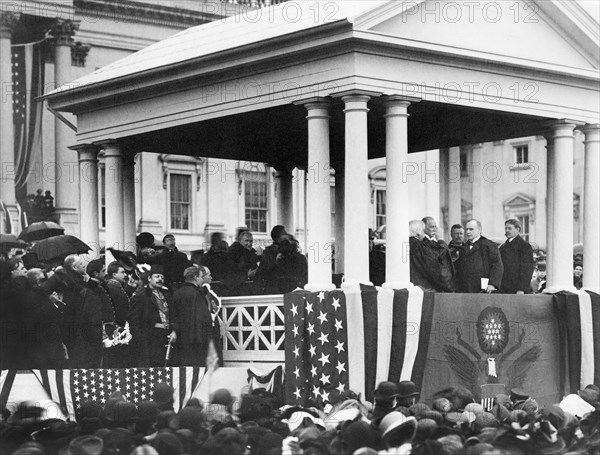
(558, 288)
(69, 219)
(397, 285)
(13, 216)
(347, 284)
(315, 287)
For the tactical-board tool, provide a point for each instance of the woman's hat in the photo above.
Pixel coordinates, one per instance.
(397, 429)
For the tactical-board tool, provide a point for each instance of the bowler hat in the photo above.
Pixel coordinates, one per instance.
(407, 389)
(163, 392)
(385, 390)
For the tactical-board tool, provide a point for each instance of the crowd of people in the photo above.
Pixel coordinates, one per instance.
(470, 262)
(394, 422)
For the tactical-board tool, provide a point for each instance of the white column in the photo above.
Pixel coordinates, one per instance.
(318, 216)
(454, 190)
(113, 190)
(285, 212)
(65, 201)
(549, 205)
(340, 209)
(431, 175)
(129, 218)
(7, 135)
(397, 257)
(356, 189)
(561, 254)
(591, 208)
(88, 196)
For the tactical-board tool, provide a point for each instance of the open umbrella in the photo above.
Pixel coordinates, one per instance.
(9, 241)
(41, 230)
(58, 247)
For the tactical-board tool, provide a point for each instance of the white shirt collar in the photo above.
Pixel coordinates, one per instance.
(475, 239)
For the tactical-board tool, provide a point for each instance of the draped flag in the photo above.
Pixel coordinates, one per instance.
(271, 382)
(28, 84)
(70, 388)
(579, 325)
(353, 339)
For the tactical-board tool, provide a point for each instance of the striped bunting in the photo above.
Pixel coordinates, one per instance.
(70, 388)
(353, 339)
(579, 318)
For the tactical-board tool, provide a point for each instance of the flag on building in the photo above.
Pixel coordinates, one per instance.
(28, 85)
(579, 327)
(353, 339)
(271, 382)
(70, 388)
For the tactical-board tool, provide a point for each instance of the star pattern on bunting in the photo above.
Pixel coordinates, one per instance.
(318, 329)
(136, 384)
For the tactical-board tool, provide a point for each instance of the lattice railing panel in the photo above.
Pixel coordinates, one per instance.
(253, 328)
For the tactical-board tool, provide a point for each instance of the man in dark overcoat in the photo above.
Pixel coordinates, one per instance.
(479, 259)
(517, 259)
(194, 322)
(442, 274)
(153, 321)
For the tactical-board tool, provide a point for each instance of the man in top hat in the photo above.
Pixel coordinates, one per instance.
(268, 260)
(173, 261)
(153, 321)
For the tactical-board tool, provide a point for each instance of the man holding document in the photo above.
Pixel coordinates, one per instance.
(479, 266)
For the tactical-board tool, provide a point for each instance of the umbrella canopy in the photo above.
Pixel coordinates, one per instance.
(41, 230)
(58, 247)
(9, 241)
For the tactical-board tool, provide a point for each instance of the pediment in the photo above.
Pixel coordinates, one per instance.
(518, 200)
(532, 31)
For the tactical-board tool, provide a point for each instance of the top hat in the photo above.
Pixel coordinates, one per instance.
(518, 395)
(385, 390)
(163, 392)
(407, 389)
(144, 239)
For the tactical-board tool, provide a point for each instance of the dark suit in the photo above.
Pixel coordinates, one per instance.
(481, 261)
(149, 341)
(194, 324)
(441, 269)
(517, 258)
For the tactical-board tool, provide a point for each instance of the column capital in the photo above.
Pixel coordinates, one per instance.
(591, 132)
(8, 22)
(111, 147)
(317, 108)
(399, 100)
(79, 52)
(63, 30)
(86, 152)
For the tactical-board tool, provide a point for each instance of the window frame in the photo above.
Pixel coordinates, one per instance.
(189, 175)
(253, 169)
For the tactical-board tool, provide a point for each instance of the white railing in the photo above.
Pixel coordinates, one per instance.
(253, 329)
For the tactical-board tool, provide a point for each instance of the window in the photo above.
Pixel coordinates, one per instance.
(102, 193)
(524, 220)
(379, 208)
(521, 154)
(180, 193)
(255, 197)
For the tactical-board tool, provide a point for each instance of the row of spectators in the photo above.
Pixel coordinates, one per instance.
(470, 262)
(256, 423)
(237, 269)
